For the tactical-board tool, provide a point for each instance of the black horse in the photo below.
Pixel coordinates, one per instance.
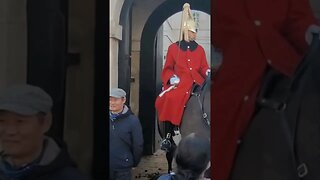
(196, 119)
(283, 139)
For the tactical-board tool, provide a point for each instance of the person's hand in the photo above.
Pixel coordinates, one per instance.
(312, 29)
(174, 80)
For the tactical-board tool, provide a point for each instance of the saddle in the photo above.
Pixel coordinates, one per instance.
(283, 139)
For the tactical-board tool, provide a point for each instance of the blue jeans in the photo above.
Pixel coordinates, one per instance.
(120, 175)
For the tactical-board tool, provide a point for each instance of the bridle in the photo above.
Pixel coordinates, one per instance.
(201, 97)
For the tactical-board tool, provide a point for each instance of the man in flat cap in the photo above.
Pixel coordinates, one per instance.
(27, 154)
(126, 139)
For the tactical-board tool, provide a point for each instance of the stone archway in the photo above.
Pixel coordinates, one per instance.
(150, 83)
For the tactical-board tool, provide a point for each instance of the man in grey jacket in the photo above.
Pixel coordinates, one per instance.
(125, 137)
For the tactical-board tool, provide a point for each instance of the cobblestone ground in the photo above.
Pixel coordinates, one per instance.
(150, 167)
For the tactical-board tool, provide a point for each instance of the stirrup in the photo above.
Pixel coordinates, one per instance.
(166, 143)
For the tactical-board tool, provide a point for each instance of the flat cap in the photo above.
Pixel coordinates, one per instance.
(25, 100)
(117, 93)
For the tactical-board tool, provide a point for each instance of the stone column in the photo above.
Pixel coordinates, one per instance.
(78, 126)
(13, 42)
(315, 4)
(115, 35)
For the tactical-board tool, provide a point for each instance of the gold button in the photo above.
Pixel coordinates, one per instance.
(257, 23)
(269, 61)
(239, 141)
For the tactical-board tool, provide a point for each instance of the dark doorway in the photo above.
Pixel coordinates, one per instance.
(46, 61)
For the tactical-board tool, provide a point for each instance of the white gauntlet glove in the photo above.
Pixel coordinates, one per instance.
(313, 29)
(208, 72)
(174, 80)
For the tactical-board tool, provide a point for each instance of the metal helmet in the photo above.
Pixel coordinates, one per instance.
(187, 22)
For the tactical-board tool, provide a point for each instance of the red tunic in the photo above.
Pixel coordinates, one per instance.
(189, 63)
(252, 34)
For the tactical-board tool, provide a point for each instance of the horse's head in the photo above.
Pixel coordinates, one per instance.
(196, 117)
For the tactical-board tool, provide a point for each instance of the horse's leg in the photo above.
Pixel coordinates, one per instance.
(170, 155)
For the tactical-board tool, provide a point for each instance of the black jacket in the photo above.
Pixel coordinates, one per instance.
(126, 141)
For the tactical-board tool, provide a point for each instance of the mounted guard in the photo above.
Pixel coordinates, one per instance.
(186, 66)
(185, 69)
